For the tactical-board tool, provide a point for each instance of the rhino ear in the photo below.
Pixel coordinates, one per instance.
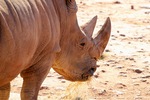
(72, 6)
(88, 28)
(103, 36)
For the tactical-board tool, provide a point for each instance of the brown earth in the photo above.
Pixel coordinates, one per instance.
(125, 65)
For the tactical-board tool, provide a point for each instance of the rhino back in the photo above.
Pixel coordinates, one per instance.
(29, 30)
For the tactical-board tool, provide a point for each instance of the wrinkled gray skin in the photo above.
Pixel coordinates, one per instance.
(36, 35)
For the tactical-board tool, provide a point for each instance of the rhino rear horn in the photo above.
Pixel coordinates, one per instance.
(103, 36)
(88, 28)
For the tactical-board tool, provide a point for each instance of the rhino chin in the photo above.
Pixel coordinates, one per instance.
(73, 78)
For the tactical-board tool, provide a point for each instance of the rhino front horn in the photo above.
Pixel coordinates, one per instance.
(103, 36)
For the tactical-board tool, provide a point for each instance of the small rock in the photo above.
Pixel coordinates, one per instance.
(113, 38)
(60, 77)
(113, 65)
(103, 71)
(140, 37)
(145, 7)
(105, 83)
(123, 35)
(44, 87)
(111, 61)
(123, 74)
(117, 2)
(145, 62)
(119, 67)
(148, 12)
(96, 75)
(134, 78)
(129, 42)
(148, 76)
(106, 64)
(132, 59)
(136, 84)
(146, 66)
(120, 85)
(132, 7)
(107, 50)
(143, 80)
(63, 81)
(102, 92)
(78, 98)
(138, 98)
(138, 71)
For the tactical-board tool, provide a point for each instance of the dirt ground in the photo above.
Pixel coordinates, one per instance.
(124, 72)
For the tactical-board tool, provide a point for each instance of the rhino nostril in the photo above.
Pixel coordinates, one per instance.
(92, 70)
(89, 73)
(95, 58)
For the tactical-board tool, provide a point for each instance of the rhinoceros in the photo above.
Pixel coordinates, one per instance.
(37, 35)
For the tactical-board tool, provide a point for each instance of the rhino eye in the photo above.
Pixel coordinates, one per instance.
(82, 44)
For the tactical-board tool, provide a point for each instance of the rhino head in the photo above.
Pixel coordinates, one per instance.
(79, 50)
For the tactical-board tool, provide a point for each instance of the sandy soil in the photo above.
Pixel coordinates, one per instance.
(125, 65)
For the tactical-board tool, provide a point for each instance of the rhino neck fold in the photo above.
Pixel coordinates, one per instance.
(61, 10)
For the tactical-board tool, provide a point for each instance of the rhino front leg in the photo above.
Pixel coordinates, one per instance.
(4, 92)
(32, 80)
